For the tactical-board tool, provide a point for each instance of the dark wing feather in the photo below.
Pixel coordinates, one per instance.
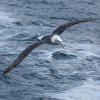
(24, 54)
(62, 28)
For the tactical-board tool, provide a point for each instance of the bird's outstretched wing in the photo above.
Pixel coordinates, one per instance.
(62, 28)
(24, 54)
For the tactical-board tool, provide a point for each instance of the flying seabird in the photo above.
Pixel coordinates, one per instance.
(53, 39)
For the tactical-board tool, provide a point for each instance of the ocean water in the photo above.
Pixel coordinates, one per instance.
(50, 72)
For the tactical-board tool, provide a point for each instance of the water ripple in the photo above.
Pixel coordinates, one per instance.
(62, 56)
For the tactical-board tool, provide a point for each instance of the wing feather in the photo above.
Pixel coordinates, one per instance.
(24, 54)
(62, 28)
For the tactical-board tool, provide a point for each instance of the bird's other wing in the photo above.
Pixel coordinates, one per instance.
(24, 54)
(62, 28)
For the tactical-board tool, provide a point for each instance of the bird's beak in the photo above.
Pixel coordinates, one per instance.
(61, 44)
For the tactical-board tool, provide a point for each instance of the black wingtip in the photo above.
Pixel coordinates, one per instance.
(8, 69)
(5, 72)
(90, 19)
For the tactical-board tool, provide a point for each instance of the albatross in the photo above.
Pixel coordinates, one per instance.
(53, 39)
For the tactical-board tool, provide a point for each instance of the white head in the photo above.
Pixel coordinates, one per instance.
(57, 40)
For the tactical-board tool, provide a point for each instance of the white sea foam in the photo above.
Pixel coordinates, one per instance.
(6, 17)
(5, 21)
(90, 90)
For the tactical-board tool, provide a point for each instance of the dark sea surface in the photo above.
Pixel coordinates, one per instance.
(50, 72)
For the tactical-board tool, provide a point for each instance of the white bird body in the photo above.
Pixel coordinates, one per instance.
(56, 39)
